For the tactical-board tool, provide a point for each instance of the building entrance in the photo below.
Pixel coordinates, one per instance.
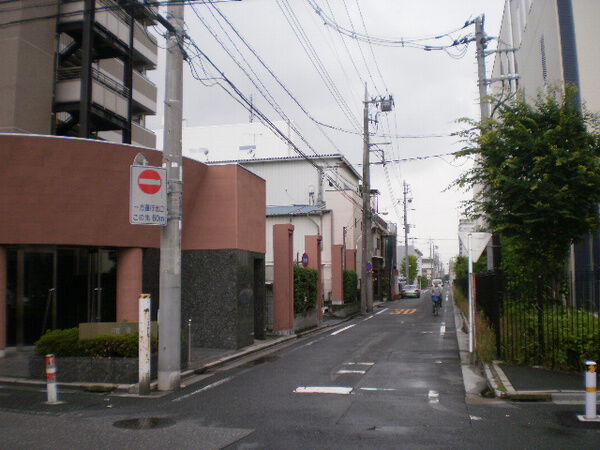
(54, 287)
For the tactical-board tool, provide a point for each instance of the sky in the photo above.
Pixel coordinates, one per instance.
(431, 89)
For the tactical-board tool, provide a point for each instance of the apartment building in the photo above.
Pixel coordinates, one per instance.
(78, 68)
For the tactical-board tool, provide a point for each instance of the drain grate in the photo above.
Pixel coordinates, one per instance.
(145, 423)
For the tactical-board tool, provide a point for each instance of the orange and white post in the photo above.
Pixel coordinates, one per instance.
(590, 393)
(51, 380)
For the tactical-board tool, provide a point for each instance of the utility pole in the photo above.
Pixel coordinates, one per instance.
(366, 285)
(484, 105)
(406, 258)
(169, 335)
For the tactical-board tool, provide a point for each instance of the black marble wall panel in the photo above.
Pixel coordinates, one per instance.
(219, 293)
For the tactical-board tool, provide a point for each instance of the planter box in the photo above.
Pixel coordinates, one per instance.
(344, 311)
(306, 320)
(91, 370)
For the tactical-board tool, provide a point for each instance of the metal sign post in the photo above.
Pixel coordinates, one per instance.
(144, 345)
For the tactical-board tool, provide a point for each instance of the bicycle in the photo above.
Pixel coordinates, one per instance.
(437, 303)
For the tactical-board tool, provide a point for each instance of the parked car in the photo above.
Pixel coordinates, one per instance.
(410, 290)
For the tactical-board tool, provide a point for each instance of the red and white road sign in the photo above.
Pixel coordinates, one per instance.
(149, 181)
(148, 196)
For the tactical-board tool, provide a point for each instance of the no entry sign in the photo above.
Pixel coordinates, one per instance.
(149, 181)
(148, 196)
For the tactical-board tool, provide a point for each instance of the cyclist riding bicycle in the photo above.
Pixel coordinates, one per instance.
(436, 295)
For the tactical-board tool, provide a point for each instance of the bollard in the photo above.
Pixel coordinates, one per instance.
(51, 380)
(144, 345)
(590, 393)
(189, 340)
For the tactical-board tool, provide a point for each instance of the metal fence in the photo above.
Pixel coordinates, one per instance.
(538, 325)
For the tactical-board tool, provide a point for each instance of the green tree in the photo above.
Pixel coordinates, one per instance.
(412, 267)
(538, 180)
(461, 265)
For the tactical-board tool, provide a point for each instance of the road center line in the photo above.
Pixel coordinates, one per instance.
(205, 388)
(342, 329)
(341, 390)
(360, 363)
(376, 389)
(379, 312)
(352, 371)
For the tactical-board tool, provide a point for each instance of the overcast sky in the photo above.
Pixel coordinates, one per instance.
(431, 89)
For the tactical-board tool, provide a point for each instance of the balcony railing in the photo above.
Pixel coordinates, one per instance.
(72, 73)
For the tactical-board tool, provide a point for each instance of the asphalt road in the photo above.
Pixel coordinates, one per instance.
(391, 379)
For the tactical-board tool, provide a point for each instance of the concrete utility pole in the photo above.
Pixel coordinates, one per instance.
(480, 40)
(406, 258)
(169, 336)
(484, 104)
(366, 285)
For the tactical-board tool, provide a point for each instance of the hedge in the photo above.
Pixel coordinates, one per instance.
(67, 343)
(305, 289)
(350, 286)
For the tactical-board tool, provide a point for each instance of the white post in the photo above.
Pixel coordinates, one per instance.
(470, 295)
(590, 390)
(144, 344)
(189, 340)
(51, 380)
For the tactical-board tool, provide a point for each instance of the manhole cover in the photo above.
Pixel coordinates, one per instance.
(144, 423)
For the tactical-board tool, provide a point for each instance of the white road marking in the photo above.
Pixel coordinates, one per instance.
(342, 329)
(443, 328)
(342, 390)
(370, 317)
(379, 312)
(433, 396)
(352, 371)
(360, 363)
(312, 342)
(205, 388)
(475, 417)
(377, 389)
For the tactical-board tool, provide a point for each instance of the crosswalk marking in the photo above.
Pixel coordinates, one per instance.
(404, 311)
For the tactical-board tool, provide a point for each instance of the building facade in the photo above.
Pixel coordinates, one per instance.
(78, 68)
(68, 254)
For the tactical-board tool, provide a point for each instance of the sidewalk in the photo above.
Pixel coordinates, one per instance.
(14, 367)
(525, 383)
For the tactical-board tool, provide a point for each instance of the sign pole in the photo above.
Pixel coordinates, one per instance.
(471, 324)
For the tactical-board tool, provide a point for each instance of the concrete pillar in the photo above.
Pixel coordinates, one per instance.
(351, 259)
(337, 280)
(283, 279)
(312, 246)
(129, 283)
(3, 287)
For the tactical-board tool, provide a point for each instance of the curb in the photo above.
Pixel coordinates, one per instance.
(131, 389)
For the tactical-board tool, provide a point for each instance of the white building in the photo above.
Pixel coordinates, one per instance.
(318, 195)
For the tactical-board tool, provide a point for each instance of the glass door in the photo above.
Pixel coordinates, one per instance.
(36, 299)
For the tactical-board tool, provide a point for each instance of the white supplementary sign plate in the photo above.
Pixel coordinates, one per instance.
(148, 196)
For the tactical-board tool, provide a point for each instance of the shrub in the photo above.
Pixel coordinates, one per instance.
(59, 343)
(350, 286)
(305, 289)
(66, 343)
